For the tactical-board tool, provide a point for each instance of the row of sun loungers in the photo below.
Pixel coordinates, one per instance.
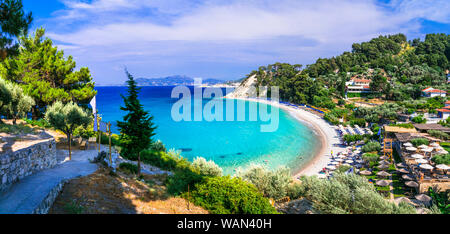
(353, 131)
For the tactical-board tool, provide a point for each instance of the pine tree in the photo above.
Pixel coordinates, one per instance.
(137, 128)
(13, 22)
(47, 75)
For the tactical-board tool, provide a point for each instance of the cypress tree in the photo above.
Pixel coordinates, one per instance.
(137, 128)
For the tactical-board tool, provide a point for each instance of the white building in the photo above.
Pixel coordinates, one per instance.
(431, 92)
(356, 85)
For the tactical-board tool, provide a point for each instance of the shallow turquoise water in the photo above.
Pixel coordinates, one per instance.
(230, 144)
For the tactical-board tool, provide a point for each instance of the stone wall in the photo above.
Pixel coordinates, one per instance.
(15, 165)
(47, 203)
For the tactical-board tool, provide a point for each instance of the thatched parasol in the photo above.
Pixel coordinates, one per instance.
(424, 198)
(403, 170)
(382, 183)
(383, 166)
(442, 167)
(426, 166)
(365, 172)
(383, 174)
(421, 161)
(407, 177)
(417, 156)
(412, 184)
(400, 165)
(408, 144)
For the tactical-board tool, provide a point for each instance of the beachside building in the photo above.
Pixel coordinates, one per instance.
(431, 92)
(444, 113)
(358, 85)
(447, 103)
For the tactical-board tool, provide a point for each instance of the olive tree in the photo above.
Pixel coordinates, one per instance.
(67, 117)
(20, 103)
(5, 96)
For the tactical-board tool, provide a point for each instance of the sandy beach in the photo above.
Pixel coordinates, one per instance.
(326, 132)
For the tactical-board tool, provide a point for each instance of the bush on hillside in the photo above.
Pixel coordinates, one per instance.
(420, 141)
(206, 168)
(371, 147)
(225, 195)
(128, 168)
(158, 146)
(441, 159)
(271, 184)
(349, 194)
(368, 157)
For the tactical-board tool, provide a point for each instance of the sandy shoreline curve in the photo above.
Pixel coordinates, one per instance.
(327, 135)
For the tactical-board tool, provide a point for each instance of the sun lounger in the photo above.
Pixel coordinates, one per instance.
(82, 144)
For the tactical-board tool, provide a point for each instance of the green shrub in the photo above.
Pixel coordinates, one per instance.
(441, 159)
(207, 168)
(170, 161)
(352, 138)
(349, 194)
(182, 180)
(419, 119)
(368, 157)
(271, 184)
(360, 122)
(128, 168)
(403, 125)
(225, 195)
(40, 123)
(420, 141)
(439, 134)
(158, 146)
(343, 168)
(371, 147)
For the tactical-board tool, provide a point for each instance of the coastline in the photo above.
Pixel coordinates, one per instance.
(326, 133)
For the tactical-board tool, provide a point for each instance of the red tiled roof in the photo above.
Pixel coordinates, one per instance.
(362, 80)
(443, 110)
(447, 102)
(434, 91)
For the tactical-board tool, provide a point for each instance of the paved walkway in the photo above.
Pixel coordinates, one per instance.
(25, 196)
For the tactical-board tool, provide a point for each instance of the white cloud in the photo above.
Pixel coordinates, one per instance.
(242, 32)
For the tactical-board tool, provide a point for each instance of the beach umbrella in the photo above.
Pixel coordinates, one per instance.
(400, 165)
(349, 161)
(365, 172)
(383, 163)
(408, 144)
(403, 170)
(427, 150)
(434, 144)
(322, 176)
(412, 149)
(421, 161)
(426, 166)
(423, 146)
(330, 168)
(424, 198)
(334, 163)
(346, 164)
(417, 156)
(342, 157)
(442, 167)
(382, 183)
(359, 161)
(442, 152)
(403, 199)
(383, 174)
(357, 152)
(339, 160)
(412, 184)
(383, 166)
(407, 177)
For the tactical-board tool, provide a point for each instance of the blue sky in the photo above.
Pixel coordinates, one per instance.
(224, 39)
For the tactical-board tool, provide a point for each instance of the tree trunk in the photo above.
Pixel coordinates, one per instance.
(14, 121)
(139, 165)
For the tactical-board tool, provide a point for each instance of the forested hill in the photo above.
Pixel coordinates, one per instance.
(399, 70)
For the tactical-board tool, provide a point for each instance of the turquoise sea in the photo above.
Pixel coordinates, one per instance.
(230, 144)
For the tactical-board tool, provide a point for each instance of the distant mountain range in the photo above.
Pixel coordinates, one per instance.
(175, 80)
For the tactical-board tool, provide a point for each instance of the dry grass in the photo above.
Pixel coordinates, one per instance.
(102, 193)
